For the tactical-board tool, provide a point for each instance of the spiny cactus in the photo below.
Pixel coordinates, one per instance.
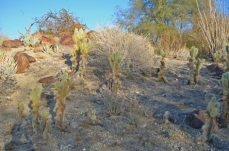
(224, 82)
(161, 74)
(20, 110)
(163, 55)
(115, 60)
(80, 51)
(226, 62)
(193, 53)
(35, 97)
(194, 66)
(93, 117)
(217, 56)
(46, 124)
(199, 64)
(210, 114)
(63, 87)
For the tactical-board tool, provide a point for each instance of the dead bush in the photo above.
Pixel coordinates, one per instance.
(136, 50)
(58, 22)
(3, 38)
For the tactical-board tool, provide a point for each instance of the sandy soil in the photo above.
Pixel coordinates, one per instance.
(138, 124)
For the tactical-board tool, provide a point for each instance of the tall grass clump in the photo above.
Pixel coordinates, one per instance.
(135, 50)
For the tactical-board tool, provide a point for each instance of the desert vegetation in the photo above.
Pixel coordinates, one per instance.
(157, 81)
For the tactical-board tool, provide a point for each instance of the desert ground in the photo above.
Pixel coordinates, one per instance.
(138, 124)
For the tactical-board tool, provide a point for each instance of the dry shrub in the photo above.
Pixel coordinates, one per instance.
(2, 38)
(136, 50)
(181, 54)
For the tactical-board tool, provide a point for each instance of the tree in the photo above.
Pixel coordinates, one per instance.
(166, 21)
(58, 22)
(214, 24)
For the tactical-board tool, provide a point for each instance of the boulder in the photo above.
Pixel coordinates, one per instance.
(47, 80)
(196, 119)
(22, 62)
(30, 58)
(66, 40)
(12, 43)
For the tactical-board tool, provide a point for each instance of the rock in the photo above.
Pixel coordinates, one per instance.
(196, 119)
(5, 48)
(214, 68)
(22, 62)
(47, 80)
(74, 124)
(66, 39)
(44, 38)
(30, 58)
(38, 48)
(12, 43)
(166, 117)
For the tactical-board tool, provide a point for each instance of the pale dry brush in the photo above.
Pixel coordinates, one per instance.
(136, 50)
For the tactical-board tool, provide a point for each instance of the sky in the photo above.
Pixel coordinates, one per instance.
(16, 15)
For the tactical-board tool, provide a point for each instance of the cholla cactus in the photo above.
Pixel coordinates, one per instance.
(226, 63)
(93, 117)
(46, 124)
(115, 60)
(80, 51)
(20, 110)
(163, 55)
(63, 87)
(161, 74)
(35, 97)
(199, 64)
(217, 56)
(194, 66)
(193, 53)
(224, 82)
(211, 113)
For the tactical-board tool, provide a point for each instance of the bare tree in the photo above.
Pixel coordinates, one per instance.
(214, 24)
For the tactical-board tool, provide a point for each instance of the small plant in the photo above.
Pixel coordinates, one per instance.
(115, 60)
(20, 110)
(93, 117)
(217, 56)
(224, 82)
(30, 40)
(199, 64)
(47, 49)
(194, 66)
(46, 124)
(35, 97)
(112, 104)
(161, 74)
(7, 66)
(192, 60)
(210, 114)
(226, 63)
(63, 87)
(80, 51)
